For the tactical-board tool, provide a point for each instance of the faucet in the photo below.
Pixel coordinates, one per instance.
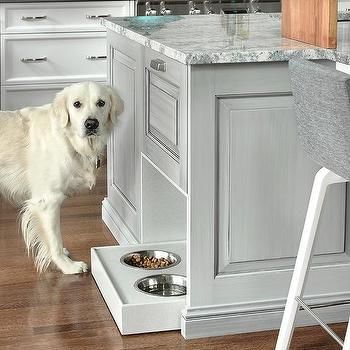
(208, 10)
(163, 10)
(193, 10)
(149, 10)
(253, 6)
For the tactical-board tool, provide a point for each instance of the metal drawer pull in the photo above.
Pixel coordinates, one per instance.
(95, 58)
(97, 16)
(33, 18)
(31, 60)
(158, 65)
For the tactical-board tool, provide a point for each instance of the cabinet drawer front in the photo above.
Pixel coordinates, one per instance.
(60, 16)
(165, 129)
(53, 58)
(20, 96)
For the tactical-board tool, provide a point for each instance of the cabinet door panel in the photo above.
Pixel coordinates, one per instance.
(265, 184)
(162, 114)
(165, 129)
(125, 75)
(124, 134)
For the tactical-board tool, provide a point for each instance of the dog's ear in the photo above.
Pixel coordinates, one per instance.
(60, 108)
(117, 105)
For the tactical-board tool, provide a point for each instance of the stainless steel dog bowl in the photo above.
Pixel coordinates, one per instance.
(158, 254)
(162, 285)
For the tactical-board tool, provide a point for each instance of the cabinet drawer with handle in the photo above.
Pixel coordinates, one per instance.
(60, 16)
(53, 58)
(165, 121)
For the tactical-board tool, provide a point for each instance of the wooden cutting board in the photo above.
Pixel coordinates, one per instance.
(311, 21)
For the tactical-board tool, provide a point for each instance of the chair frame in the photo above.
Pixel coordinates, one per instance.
(323, 179)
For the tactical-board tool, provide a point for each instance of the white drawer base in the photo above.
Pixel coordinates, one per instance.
(133, 311)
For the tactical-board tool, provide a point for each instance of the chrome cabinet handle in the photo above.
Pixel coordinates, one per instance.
(95, 58)
(33, 18)
(97, 16)
(33, 60)
(158, 65)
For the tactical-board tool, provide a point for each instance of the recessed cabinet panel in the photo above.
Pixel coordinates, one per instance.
(162, 113)
(165, 118)
(264, 185)
(124, 134)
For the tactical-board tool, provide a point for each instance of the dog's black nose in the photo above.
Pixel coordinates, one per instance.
(91, 124)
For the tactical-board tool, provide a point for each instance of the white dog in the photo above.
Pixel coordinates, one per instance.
(46, 154)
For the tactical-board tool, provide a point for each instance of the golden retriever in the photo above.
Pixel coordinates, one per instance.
(48, 153)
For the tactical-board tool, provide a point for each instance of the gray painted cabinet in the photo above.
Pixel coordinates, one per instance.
(224, 138)
(122, 205)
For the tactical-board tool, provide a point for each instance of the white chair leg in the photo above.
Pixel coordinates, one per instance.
(323, 178)
(347, 338)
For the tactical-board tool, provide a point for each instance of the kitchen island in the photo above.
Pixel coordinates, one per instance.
(206, 155)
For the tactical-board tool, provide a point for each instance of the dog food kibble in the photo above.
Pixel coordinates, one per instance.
(149, 262)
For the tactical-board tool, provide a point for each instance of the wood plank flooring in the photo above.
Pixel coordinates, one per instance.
(55, 311)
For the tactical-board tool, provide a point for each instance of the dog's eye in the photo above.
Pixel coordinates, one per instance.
(77, 104)
(100, 103)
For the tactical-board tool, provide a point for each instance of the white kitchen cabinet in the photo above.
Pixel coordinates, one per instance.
(221, 167)
(53, 45)
(154, 122)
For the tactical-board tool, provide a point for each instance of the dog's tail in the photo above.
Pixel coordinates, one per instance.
(33, 235)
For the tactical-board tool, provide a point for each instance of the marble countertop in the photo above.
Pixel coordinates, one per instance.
(209, 39)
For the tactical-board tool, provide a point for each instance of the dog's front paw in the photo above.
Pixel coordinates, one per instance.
(76, 267)
(68, 266)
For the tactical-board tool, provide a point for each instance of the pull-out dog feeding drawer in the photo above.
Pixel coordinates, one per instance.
(142, 299)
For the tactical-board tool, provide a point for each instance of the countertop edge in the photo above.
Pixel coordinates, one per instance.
(249, 56)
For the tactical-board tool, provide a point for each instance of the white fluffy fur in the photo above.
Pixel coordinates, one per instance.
(46, 156)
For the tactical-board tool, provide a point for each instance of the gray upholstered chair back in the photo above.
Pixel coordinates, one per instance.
(322, 103)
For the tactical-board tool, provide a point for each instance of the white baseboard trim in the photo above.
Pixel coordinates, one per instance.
(193, 327)
(116, 225)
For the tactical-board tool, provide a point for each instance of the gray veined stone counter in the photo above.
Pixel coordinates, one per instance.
(223, 38)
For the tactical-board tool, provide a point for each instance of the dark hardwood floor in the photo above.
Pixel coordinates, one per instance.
(55, 311)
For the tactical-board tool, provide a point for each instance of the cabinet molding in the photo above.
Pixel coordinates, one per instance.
(218, 321)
